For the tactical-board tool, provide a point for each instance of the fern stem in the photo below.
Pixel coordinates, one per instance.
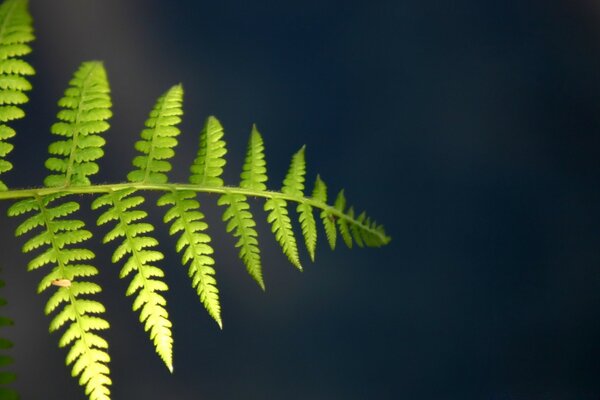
(165, 187)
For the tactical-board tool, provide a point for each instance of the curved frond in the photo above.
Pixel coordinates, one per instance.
(208, 164)
(58, 244)
(361, 229)
(158, 139)
(6, 377)
(85, 109)
(15, 33)
(366, 232)
(186, 219)
(141, 253)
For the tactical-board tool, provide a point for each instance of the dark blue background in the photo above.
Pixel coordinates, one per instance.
(471, 129)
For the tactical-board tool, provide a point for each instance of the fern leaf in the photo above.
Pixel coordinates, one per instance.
(281, 226)
(254, 171)
(208, 164)
(320, 194)
(367, 232)
(278, 217)
(60, 240)
(158, 139)
(156, 147)
(361, 229)
(85, 108)
(140, 249)
(354, 229)
(6, 377)
(195, 244)
(340, 205)
(15, 33)
(293, 185)
(238, 215)
(241, 224)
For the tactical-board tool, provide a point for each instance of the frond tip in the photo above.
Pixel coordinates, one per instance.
(158, 139)
(208, 164)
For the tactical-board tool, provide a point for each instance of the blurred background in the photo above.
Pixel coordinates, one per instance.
(471, 129)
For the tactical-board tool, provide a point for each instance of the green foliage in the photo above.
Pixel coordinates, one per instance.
(158, 139)
(59, 244)
(59, 241)
(187, 220)
(15, 33)
(85, 108)
(241, 222)
(141, 251)
(208, 165)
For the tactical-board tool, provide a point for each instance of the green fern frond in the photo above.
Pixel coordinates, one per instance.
(294, 186)
(278, 217)
(6, 377)
(15, 33)
(58, 245)
(58, 239)
(241, 222)
(195, 244)
(340, 205)
(156, 146)
(366, 232)
(208, 164)
(140, 249)
(320, 195)
(158, 139)
(85, 108)
(360, 230)
(254, 171)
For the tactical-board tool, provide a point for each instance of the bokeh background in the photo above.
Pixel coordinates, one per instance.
(470, 128)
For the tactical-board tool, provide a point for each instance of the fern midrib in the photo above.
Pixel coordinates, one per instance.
(165, 187)
(84, 88)
(61, 267)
